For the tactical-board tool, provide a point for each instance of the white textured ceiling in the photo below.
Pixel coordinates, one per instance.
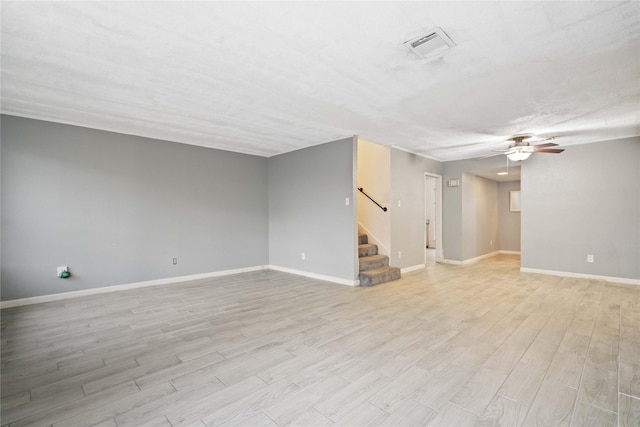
(270, 77)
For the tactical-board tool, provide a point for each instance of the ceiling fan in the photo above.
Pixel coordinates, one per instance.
(521, 150)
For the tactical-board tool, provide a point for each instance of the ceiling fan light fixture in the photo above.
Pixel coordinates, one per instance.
(519, 153)
(517, 157)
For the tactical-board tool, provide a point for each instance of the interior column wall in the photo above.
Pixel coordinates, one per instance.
(308, 211)
(407, 206)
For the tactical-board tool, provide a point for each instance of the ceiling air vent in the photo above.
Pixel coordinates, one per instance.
(432, 45)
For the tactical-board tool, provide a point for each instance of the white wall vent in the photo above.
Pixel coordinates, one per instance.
(432, 45)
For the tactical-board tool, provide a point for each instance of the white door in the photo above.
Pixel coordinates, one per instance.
(433, 218)
(430, 212)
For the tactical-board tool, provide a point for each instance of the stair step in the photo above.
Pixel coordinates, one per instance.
(363, 239)
(373, 261)
(367, 249)
(379, 275)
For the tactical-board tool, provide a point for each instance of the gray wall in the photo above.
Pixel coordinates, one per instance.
(116, 208)
(407, 221)
(452, 206)
(508, 222)
(479, 216)
(583, 201)
(307, 211)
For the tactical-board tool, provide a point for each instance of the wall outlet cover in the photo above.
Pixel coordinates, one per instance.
(63, 272)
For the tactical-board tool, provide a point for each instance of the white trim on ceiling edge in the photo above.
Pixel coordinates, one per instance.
(167, 281)
(121, 132)
(417, 154)
(331, 279)
(138, 135)
(619, 280)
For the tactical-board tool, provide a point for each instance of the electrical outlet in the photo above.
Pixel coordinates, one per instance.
(399, 203)
(303, 256)
(60, 270)
(399, 254)
(589, 258)
(347, 201)
(490, 242)
(175, 261)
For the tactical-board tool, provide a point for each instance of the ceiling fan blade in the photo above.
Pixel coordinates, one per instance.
(548, 144)
(548, 150)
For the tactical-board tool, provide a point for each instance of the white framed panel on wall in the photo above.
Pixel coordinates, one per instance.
(514, 201)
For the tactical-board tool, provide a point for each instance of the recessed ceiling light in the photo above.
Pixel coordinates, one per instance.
(503, 173)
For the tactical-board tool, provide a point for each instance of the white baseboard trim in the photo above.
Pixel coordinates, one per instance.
(125, 287)
(622, 280)
(167, 281)
(479, 258)
(412, 268)
(332, 279)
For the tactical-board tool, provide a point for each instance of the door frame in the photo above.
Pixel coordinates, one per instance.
(438, 228)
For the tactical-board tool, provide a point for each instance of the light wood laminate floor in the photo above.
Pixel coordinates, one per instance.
(481, 344)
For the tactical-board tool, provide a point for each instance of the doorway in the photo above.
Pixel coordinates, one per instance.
(433, 251)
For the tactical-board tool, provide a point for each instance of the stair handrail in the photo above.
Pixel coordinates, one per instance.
(369, 197)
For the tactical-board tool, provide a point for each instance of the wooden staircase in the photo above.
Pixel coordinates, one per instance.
(374, 268)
